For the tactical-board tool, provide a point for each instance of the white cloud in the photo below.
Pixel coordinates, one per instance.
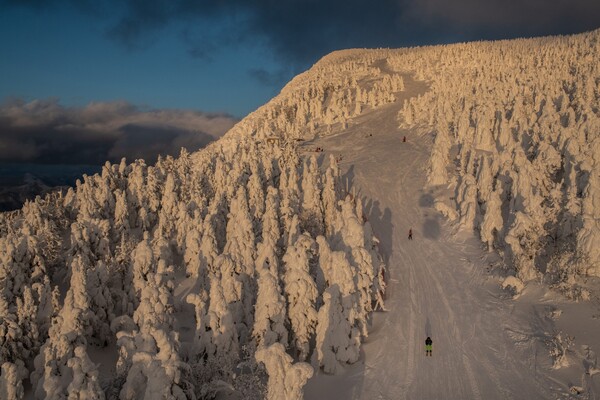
(44, 131)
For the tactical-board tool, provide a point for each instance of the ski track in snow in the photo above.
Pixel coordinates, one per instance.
(435, 284)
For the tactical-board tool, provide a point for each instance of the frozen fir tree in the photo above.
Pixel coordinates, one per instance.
(286, 378)
(301, 293)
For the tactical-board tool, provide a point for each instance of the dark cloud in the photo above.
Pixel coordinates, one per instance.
(45, 132)
(300, 31)
(156, 140)
(269, 78)
(297, 32)
(477, 19)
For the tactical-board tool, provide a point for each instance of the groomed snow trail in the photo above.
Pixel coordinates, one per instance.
(437, 285)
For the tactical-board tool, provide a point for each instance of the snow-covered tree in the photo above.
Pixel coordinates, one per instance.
(336, 342)
(286, 378)
(240, 236)
(11, 385)
(156, 370)
(301, 292)
(222, 338)
(143, 263)
(85, 383)
(330, 195)
(312, 211)
(241, 249)
(270, 312)
(192, 255)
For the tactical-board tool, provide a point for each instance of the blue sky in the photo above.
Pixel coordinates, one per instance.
(66, 54)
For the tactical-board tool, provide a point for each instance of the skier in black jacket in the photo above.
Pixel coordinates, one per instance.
(428, 346)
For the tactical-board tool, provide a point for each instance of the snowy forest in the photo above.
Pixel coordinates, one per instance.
(516, 128)
(517, 132)
(189, 271)
(248, 265)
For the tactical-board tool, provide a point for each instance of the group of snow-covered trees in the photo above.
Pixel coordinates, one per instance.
(240, 253)
(520, 122)
(339, 87)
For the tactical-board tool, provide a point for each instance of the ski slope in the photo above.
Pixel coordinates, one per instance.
(438, 285)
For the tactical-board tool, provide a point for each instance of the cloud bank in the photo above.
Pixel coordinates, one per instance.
(45, 132)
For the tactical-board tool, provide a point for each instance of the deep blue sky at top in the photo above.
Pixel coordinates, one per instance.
(232, 55)
(66, 54)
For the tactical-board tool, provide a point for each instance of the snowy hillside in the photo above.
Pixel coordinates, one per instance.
(254, 244)
(518, 120)
(246, 268)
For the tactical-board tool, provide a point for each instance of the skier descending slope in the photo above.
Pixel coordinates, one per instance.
(428, 346)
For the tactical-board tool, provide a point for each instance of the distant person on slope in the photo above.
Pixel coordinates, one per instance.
(428, 347)
(410, 234)
(404, 139)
